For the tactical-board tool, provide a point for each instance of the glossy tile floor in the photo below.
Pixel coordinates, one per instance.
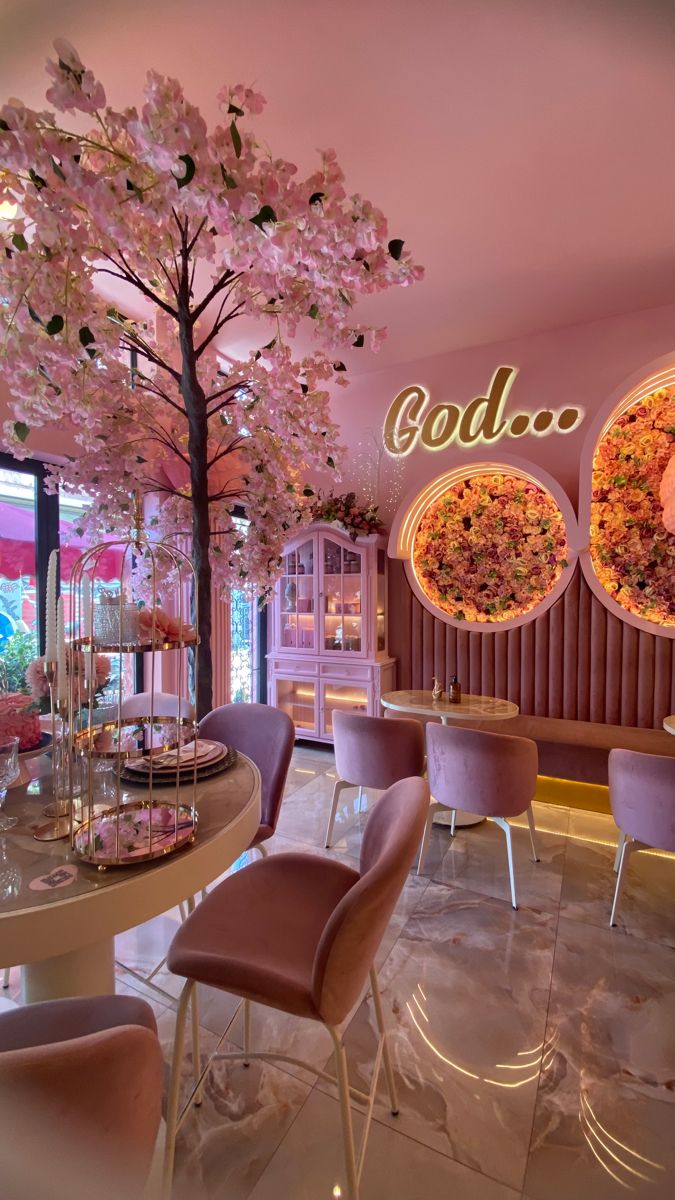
(535, 1050)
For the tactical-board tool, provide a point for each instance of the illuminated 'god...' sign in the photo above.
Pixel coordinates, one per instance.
(410, 419)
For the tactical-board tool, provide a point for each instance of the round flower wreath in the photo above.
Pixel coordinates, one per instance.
(633, 554)
(490, 549)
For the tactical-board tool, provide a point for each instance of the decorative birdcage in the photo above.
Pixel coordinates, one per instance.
(138, 783)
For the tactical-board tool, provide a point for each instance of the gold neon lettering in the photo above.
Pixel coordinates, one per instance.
(398, 438)
(483, 416)
(439, 426)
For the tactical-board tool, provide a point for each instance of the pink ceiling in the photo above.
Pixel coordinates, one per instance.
(523, 148)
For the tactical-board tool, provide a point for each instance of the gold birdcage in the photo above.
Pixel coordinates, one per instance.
(137, 794)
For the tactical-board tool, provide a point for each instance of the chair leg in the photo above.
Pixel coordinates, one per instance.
(196, 1052)
(263, 850)
(617, 856)
(346, 1115)
(174, 1089)
(453, 818)
(388, 1067)
(433, 808)
(247, 1031)
(5, 977)
(340, 785)
(623, 863)
(503, 824)
(360, 798)
(530, 821)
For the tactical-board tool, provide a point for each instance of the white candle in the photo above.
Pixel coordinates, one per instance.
(61, 675)
(86, 606)
(50, 610)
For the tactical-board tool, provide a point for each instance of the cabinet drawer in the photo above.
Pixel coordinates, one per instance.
(294, 666)
(337, 670)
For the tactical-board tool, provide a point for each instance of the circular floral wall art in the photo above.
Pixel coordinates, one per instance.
(632, 552)
(490, 549)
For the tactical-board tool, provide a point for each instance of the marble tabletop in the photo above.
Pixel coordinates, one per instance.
(470, 708)
(669, 724)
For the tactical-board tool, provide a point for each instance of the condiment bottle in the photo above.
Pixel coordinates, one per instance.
(454, 690)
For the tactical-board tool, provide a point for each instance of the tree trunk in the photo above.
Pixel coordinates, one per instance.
(195, 405)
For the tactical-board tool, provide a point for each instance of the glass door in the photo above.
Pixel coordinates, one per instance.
(297, 697)
(341, 598)
(339, 697)
(296, 599)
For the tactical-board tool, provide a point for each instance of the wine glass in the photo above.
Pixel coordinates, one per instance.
(9, 770)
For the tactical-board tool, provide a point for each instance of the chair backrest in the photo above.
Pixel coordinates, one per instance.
(642, 796)
(267, 736)
(374, 752)
(165, 704)
(99, 1096)
(493, 774)
(355, 929)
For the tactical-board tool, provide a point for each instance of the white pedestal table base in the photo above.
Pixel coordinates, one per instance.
(88, 971)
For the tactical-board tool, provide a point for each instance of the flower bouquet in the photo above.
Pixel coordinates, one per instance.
(357, 519)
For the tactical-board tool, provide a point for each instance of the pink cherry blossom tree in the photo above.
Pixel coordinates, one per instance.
(196, 229)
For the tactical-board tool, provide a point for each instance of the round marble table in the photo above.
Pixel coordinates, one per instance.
(470, 708)
(669, 724)
(59, 915)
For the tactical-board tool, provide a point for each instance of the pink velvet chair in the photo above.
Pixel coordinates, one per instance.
(267, 736)
(642, 797)
(373, 752)
(491, 774)
(299, 933)
(80, 1091)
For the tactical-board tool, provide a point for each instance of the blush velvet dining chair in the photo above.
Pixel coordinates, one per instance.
(491, 774)
(373, 752)
(266, 735)
(299, 933)
(81, 1085)
(642, 799)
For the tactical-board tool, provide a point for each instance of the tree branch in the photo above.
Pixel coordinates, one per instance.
(228, 278)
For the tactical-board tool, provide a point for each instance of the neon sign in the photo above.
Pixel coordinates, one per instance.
(410, 420)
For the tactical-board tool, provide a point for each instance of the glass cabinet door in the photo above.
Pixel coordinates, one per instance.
(296, 592)
(342, 590)
(298, 697)
(338, 697)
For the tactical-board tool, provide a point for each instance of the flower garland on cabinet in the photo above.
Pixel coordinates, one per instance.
(632, 551)
(491, 548)
(356, 518)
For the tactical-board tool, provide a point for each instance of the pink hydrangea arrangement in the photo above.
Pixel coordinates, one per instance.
(36, 679)
(358, 519)
(491, 548)
(632, 552)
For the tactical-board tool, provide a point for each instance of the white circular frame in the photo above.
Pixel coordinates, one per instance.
(416, 502)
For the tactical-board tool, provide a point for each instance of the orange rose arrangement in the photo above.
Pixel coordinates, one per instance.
(633, 553)
(491, 548)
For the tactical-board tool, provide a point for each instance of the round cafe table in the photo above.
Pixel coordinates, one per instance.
(669, 724)
(59, 915)
(470, 708)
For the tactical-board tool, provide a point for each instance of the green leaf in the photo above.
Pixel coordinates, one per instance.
(238, 112)
(32, 313)
(339, 366)
(236, 139)
(58, 169)
(344, 297)
(359, 341)
(264, 217)
(313, 312)
(316, 197)
(21, 430)
(395, 248)
(19, 241)
(55, 325)
(330, 461)
(189, 170)
(37, 179)
(86, 336)
(227, 179)
(4, 125)
(307, 490)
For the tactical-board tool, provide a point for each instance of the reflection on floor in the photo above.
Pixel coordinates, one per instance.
(535, 1050)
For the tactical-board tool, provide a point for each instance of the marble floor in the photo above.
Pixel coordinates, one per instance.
(535, 1050)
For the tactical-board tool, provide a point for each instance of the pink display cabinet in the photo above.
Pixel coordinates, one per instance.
(329, 633)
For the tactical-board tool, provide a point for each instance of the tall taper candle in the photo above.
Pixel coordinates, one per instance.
(50, 610)
(87, 630)
(61, 676)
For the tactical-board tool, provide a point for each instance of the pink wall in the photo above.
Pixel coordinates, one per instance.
(579, 366)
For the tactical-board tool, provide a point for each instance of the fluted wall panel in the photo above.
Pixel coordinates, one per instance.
(576, 661)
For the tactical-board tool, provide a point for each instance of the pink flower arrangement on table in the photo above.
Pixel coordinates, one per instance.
(166, 627)
(491, 548)
(358, 519)
(632, 552)
(37, 680)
